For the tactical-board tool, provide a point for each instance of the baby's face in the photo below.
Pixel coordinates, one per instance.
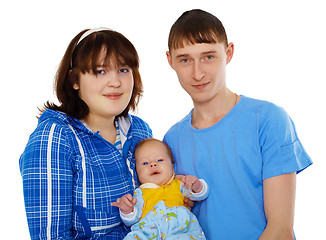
(153, 164)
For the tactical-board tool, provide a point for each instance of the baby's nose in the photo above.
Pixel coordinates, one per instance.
(153, 164)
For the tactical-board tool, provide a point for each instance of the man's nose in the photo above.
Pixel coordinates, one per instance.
(197, 71)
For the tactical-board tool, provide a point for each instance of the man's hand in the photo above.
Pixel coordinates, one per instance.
(125, 204)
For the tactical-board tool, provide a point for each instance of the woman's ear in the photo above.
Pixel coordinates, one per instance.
(75, 84)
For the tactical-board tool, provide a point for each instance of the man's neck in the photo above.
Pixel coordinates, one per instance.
(209, 113)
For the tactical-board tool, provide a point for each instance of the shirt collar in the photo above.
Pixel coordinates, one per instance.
(153, 185)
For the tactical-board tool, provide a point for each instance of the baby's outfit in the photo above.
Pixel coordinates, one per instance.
(160, 213)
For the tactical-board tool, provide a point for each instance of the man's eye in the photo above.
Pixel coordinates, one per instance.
(184, 60)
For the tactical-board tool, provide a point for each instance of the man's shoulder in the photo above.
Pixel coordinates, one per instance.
(266, 112)
(260, 106)
(180, 124)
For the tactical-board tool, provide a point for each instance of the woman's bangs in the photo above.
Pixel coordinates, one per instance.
(120, 53)
(117, 52)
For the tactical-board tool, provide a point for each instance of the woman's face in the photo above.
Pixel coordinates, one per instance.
(106, 92)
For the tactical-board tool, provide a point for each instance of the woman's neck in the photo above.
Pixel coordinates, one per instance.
(105, 126)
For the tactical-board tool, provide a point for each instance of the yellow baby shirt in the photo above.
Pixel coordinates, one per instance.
(170, 194)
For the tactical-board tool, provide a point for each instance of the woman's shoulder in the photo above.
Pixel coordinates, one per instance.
(137, 121)
(138, 126)
(55, 122)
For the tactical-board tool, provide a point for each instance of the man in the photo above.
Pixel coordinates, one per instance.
(247, 150)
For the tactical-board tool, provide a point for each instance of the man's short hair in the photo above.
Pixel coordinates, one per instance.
(196, 26)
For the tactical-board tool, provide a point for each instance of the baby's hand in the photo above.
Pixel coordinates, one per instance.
(125, 204)
(192, 183)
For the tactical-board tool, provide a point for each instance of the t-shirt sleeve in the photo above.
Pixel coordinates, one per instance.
(282, 151)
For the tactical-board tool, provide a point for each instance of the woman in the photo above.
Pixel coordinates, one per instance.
(80, 158)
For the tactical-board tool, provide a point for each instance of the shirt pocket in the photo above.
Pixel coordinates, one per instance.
(95, 222)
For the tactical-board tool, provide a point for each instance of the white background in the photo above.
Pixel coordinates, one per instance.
(279, 56)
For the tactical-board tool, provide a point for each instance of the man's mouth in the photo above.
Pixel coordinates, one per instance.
(200, 86)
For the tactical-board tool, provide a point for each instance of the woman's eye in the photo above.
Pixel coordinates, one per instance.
(100, 72)
(123, 70)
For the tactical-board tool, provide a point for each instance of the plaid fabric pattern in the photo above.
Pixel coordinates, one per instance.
(72, 175)
(118, 144)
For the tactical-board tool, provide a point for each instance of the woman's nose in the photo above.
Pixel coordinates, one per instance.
(113, 80)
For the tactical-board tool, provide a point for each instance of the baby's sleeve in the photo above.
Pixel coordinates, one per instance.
(203, 194)
(133, 217)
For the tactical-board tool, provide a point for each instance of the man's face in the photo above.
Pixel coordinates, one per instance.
(201, 69)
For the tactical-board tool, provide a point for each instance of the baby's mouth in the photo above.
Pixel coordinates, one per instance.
(155, 173)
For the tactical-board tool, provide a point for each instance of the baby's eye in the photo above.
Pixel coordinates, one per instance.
(160, 160)
(145, 163)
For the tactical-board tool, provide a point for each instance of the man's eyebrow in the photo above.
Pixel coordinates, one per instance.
(182, 55)
(209, 52)
(203, 53)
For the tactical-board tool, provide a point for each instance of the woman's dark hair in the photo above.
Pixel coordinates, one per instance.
(83, 57)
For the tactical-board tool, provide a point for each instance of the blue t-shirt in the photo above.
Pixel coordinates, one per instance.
(254, 141)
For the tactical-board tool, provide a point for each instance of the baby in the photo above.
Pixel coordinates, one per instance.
(156, 211)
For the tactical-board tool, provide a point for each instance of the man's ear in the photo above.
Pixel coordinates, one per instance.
(229, 52)
(169, 57)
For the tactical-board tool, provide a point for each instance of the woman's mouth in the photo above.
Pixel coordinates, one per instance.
(113, 96)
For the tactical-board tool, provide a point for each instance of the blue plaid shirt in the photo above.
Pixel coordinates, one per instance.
(71, 175)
